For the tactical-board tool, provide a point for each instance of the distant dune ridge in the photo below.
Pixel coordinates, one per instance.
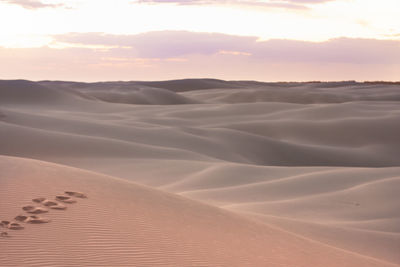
(236, 173)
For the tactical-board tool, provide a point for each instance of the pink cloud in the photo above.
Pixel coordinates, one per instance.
(169, 44)
(169, 55)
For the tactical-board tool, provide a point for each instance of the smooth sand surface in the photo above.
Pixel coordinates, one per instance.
(236, 173)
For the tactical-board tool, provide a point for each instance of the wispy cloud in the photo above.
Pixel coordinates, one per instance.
(162, 44)
(32, 4)
(290, 4)
(178, 54)
(173, 44)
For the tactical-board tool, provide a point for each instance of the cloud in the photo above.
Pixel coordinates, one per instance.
(236, 53)
(307, 1)
(162, 44)
(289, 4)
(32, 4)
(189, 2)
(180, 54)
(173, 44)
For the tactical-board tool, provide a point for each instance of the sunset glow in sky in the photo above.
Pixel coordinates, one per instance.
(270, 40)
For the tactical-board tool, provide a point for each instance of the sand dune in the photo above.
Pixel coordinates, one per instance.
(124, 224)
(30, 93)
(303, 93)
(138, 95)
(318, 160)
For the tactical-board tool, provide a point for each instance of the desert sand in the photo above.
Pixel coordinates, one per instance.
(199, 173)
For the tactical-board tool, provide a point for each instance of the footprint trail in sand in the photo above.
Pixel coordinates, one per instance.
(34, 219)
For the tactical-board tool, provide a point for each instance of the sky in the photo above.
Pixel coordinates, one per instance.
(265, 40)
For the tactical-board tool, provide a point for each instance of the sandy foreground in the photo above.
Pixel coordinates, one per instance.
(199, 173)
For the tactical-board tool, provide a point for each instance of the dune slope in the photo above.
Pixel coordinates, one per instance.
(124, 224)
(320, 160)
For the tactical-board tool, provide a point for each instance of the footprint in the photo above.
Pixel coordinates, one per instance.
(37, 220)
(31, 219)
(34, 210)
(48, 203)
(58, 207)
(21, 218)
(53, 205)
(15, 226)
(75, 194)
(39, 199)
(65, 199)
(4, 234)
(11, 225)
(4, 224)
